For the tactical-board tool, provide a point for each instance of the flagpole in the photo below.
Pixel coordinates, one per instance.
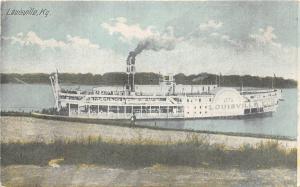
(274, 81)
(220, 80)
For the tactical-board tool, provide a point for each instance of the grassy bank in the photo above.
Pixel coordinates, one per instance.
(143, 153)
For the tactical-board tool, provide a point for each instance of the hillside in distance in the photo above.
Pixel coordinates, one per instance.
(120, 78)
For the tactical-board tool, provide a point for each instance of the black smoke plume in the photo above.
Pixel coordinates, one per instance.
(155, 44)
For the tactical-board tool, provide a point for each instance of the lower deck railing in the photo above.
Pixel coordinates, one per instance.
(126, 115)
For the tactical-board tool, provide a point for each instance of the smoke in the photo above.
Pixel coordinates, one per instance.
(157, 42)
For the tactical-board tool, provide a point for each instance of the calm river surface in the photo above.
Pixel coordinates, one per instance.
(31, 97)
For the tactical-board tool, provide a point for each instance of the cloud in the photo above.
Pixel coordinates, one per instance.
(81, 42)
(127, 32)
(215, 52)
(148, 38)
(30, 53)
(193, 59)
(32, 39)
(265, 37)
(210, 25)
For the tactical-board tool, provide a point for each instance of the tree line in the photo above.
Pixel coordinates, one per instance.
(120, 78)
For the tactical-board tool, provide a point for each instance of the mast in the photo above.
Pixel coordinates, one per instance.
(55, 88)
(273, 81)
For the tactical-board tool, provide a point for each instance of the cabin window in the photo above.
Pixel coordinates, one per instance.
(154, 109)
(146, 109)
(253, 110)
(113, 109)
(121, 109)
(251, 96)
(74, 106)
(128, 109)
(136, 109)
(93, 109)
(246, 111)
(199, 100)
(163, 109)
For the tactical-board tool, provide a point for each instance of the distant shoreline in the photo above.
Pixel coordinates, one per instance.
(119, 78)
(116, 85)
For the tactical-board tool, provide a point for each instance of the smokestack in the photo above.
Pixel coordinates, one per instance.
(131, 71)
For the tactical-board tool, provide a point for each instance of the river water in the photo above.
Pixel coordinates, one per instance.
(32, 97)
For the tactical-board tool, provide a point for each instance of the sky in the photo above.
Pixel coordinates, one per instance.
(253, 38)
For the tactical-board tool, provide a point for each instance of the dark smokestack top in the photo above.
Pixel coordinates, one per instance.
(132, 54)
(131, 57)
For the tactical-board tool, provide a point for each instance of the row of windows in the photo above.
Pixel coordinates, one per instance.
(259, 96)
(125, 99)
(195, 107)
(196, 112)
(195, 100)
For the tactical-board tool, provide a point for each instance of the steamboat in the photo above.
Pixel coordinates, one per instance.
(202, 101)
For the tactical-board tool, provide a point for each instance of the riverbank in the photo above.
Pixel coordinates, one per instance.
(27, 129)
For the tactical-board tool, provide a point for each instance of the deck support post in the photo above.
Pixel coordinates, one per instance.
(107, 110)
(118, 108)
(77, 110)
(125, 111)
(159, 110)
(168, 111)
(69, 109)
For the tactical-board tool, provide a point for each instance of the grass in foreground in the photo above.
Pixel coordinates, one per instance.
(145, 153)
